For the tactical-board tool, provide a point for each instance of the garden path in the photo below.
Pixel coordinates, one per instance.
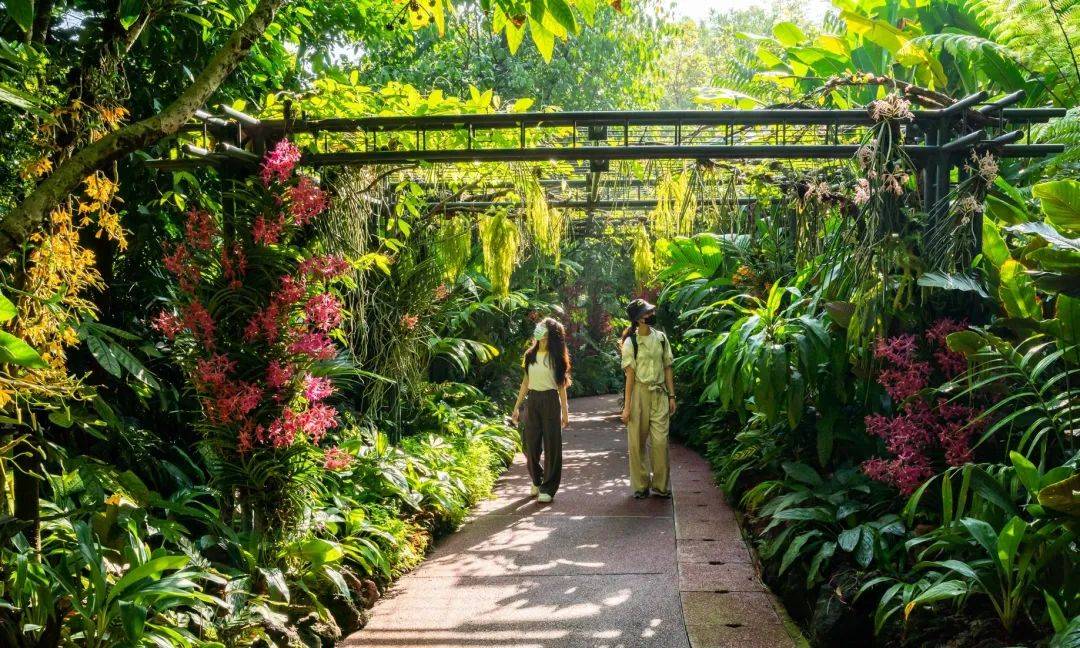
(595, 568)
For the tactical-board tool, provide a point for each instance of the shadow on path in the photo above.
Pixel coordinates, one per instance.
(594, 568)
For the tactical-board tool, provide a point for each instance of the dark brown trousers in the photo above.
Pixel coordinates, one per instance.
(542, 433)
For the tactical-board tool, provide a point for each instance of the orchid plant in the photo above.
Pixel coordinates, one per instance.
(253, 322)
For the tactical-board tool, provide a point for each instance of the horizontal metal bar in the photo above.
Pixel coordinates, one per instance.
(1008, 138)
(541, 154)
(202, 115)
(965, 141)
(1031, 150)
(687, 118)
(1007, 100)
(180, 164)
(590, 118)
(243, 118)
(637, 152)
(1033, 115)
(965, 103)
(195, 151)
(236, 153)
(602, 205)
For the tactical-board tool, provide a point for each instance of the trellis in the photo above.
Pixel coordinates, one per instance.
(937, 141)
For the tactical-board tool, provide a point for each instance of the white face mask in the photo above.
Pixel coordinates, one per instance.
(540, 331)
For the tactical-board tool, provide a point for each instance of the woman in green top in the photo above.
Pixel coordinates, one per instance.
(650, 400)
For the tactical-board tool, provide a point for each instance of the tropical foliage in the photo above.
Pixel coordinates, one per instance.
(235, 405)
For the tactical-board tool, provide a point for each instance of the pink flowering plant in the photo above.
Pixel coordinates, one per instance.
(925, 433)
(255, 322)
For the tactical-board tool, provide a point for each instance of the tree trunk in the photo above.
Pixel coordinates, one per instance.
(5, 509)
(42, 21)
(20, 222)
(27, 495)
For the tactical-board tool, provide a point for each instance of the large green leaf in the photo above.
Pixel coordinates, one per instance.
(1026, 471)
(953, 281)
(102, 352)
(1049, 234)
(318, 551)
(15, 351)
(1017, 292)
(795, 548)
(129, 12)
(993, 246)
(563, 15)
(1008, 541)
(7, 309)
(543, 38)
(1060, 203)
(802, 473)
(1069, 637)
(789, 34)
(133, 618)
(22, 12)
(149, 571)
(940, 592)
(1062, 496)
(1067, 320)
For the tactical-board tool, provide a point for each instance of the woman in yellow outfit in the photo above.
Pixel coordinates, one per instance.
(650, 400)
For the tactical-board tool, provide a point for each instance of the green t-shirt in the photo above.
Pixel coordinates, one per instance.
(653, 356)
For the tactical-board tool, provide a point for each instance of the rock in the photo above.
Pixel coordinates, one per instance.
(316, 632)
(280, 636)
(368, 594)
(348, 617)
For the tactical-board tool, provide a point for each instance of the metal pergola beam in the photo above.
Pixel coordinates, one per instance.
(581, 119)
(937, 141)
(584, 205)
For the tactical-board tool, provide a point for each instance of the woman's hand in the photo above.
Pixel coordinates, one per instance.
(515, 416)
(671, 405)
(625, 416)
(565, 418)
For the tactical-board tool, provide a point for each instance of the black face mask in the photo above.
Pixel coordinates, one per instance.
(649, 319)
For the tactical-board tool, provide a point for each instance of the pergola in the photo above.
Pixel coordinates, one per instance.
(591, 145)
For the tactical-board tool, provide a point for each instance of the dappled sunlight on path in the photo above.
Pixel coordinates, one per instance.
(594, 568)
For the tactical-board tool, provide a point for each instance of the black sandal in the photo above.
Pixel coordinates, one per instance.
(662, 494)
(641, 494)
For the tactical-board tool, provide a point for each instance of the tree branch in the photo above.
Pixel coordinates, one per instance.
(18, 224)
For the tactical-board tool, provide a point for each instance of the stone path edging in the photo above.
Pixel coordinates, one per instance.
(725, 604)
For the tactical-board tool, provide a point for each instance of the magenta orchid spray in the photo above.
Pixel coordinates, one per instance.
(253, 322)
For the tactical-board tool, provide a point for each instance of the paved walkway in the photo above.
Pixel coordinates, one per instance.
(595, 568)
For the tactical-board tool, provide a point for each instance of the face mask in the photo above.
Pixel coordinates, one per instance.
(649, 319)
(540, 331)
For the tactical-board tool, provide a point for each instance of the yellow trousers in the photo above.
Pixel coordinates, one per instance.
(649, 420)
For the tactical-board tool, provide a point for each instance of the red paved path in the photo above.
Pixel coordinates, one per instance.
(595, 568)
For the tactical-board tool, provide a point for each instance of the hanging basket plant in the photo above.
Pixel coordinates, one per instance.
(500, 240)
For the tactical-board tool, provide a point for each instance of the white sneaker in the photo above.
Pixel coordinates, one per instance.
(534, 491)
(544, 498)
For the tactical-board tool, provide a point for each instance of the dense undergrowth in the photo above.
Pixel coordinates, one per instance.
(904, 444)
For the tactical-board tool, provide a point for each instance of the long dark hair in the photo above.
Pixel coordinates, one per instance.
(556, 350)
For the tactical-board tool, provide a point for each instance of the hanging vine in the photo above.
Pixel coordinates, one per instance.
(546, 225)
(453, 246)
(500, 240)
(676, 205)
(643, 256)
